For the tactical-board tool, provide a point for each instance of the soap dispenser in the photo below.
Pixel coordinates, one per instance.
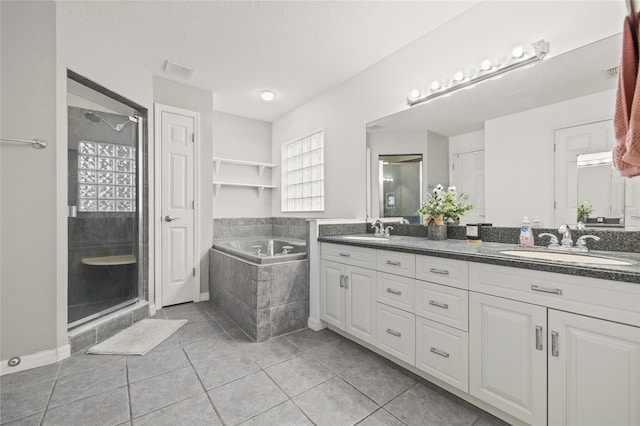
(526, 235)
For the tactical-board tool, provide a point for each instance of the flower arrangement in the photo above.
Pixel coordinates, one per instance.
(584, 210)
(445, 203)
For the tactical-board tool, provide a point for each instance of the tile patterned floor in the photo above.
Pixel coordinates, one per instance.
(210, 373)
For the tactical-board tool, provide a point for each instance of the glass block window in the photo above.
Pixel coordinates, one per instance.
(106, 177)
(303, 174)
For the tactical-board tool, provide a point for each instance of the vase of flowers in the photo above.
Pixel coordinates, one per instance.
(443, 206)
(584, 210)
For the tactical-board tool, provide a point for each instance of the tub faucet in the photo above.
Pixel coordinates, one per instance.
(270, 248)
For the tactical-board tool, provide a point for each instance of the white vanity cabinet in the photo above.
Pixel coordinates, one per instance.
(594, 371)
(507, 356)
(348, 293)
(537, 353)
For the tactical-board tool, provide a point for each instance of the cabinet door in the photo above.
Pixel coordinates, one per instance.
(507, 357)
(332, 295)
(360, 287)
(594, 371)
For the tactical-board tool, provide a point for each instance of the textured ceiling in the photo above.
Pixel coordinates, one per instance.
(297, 48)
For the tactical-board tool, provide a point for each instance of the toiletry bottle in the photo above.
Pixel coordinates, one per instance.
(537, 223)
(526, 235)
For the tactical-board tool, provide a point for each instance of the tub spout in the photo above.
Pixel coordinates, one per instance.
(270, 251)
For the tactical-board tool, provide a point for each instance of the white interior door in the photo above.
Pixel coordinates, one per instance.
(178, 265)
(569, 143)
(467, 174)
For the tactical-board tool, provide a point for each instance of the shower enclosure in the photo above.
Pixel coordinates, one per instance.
(105, 226)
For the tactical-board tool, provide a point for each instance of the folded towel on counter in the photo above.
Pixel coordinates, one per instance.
(626, 153)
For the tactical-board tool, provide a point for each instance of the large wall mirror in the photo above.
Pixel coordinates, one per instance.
(513, 143)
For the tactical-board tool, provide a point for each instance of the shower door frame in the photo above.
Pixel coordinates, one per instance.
(143, 146)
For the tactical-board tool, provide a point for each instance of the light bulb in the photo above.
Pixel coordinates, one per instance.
(485, 65)
(435, 85)
(517, 51)
(415, 94)
(267, 95)
(458, 76)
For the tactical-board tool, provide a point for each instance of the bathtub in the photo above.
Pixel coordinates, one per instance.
(254, 249)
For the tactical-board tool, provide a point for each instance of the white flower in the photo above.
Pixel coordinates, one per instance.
(452, 188)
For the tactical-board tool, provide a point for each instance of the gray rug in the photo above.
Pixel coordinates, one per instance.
(138, 339)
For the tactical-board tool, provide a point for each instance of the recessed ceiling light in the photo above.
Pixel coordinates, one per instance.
(267, 95)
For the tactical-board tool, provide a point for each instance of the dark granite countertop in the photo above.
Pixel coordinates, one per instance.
(486, 252)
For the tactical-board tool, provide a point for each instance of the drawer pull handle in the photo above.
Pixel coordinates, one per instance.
(439, 271)
(438, 304)
(394, 333)
(439, 352)
(539, 337)
(554, 344)
(341, 281)
(392, 263)
(392, 291)
(547, 290)
(344, 254)
(346, 281)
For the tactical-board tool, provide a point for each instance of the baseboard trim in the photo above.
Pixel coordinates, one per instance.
(37, 359)
(204, 297)
(316, 324)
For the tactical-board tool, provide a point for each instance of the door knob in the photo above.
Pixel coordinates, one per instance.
(168, 218)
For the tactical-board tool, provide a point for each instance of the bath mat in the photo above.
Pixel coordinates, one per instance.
(138, 339)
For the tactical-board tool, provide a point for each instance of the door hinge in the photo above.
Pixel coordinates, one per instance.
(193, 204)
(554, 147)
(193, 137)
(453, 167)
(555, 205)
(194, 272)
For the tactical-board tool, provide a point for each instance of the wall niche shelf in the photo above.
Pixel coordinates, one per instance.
(261, 166)
(125, 259)
(259, 187)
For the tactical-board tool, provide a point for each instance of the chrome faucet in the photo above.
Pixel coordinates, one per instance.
(387, 231)
(270, 251)
(564, 230)
(553, 240)
(377, 228)
(581, 244)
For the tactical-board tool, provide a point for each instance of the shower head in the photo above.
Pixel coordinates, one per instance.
(91, 116)
(96, 118)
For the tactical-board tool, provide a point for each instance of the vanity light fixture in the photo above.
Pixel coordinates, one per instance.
(267, 95)
(520, 56)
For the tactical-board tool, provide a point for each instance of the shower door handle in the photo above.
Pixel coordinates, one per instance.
(169, 218)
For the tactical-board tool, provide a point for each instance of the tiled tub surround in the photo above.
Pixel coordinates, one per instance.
(287, 227)
(264, 300)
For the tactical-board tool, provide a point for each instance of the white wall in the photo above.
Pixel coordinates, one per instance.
(487, 29)
(519, 157)
(178, 95)
(28, 292)
(467, 142)
(240, 138)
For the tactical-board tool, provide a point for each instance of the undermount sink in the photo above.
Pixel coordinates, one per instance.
(364, 238)
(566, 257)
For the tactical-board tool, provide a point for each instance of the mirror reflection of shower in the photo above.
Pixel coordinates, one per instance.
(90, 115)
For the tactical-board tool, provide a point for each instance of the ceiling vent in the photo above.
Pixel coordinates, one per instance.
(612, 72)
(178, 69)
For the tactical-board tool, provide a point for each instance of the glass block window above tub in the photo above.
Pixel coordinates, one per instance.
(106, 177)
(303, 174)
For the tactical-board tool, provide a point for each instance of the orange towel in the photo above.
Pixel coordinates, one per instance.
(626, 154)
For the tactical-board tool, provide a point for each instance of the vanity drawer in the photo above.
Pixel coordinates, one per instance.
(397, 332)
(350, 255)
(396, 291)
(454, 273)
(606, 299)
(443, 304)
(397, 263)
(443, 352)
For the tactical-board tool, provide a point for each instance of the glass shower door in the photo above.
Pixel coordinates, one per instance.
(103, 232)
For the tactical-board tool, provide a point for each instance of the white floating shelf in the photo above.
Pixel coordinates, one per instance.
(260, 166)
(126, 259)
(260, 187)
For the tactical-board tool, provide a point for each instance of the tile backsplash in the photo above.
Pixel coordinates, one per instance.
(286, 227)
